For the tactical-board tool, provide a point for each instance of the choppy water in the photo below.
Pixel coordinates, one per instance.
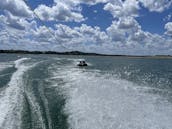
(51, 92)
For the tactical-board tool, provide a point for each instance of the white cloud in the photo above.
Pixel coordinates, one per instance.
(15, 22)
(76, 2)
(64, 10)
(92, 1)
(168, 28)
(122, 9)
(16, 7)
(139, 36)
(128, 23)
(127, 37)
(114, 33)
(156, 5)
(168, 17)
(121, 29)
(123, 36)
(59, 12)
(83, 35)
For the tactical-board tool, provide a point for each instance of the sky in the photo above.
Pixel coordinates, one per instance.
(130, 27)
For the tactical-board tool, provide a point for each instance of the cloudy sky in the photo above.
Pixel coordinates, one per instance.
(135, 27)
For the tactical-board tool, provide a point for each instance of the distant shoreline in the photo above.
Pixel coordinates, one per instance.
(81, 53)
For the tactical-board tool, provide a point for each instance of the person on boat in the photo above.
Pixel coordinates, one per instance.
(82, 63)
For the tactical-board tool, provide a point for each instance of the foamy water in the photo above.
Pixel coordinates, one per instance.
(11, 99)
(105, 102)
(53, 93)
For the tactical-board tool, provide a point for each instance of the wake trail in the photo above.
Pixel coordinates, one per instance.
(101, 101)
(12, 98)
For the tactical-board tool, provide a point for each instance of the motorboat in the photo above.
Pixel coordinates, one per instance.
(82, 63)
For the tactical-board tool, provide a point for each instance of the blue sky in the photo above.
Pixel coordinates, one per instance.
(136, 27)
(153, 21)
(97, 16)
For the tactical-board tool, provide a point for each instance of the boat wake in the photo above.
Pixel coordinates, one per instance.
(56, 94)
(11, 98)
(97, 101)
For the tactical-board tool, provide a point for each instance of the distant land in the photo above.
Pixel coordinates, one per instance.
(80, 53)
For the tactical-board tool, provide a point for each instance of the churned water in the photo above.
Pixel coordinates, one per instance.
(51, 92)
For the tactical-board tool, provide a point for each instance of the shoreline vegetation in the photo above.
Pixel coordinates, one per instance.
(81, 53)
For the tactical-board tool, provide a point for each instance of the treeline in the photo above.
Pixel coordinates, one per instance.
(79, 53)
(47, 52)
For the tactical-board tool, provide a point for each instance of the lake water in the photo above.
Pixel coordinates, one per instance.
(51, 92)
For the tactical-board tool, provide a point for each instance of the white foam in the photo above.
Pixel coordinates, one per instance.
(12, 98)
(36, 111)
(102, 102)
(19, 61)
